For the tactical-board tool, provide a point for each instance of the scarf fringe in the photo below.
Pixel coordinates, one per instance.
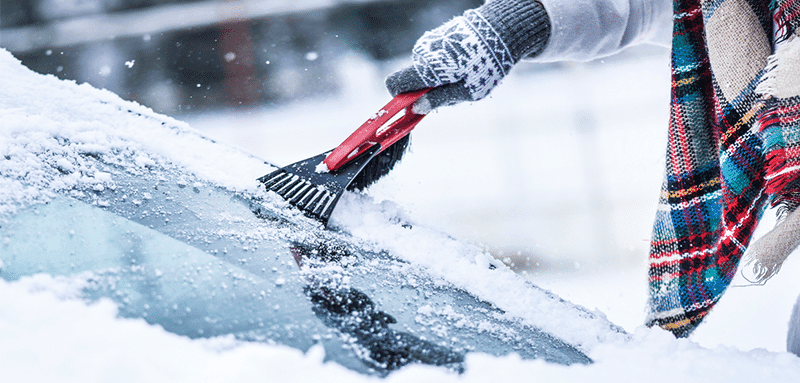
(768, 85)
(781, 79)
(786, 204)
(766, 255)
(780, 122)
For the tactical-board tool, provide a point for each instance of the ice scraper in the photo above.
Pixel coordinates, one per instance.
(315, 184)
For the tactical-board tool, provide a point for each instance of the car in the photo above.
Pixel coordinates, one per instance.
(173, 227)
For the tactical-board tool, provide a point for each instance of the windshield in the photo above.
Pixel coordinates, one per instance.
(202, 261)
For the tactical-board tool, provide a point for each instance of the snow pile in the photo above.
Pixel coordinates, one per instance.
(48, 339)
(88, 343)
(470, 268)
(50, 126)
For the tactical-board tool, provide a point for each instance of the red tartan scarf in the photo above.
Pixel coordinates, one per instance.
(733, 148)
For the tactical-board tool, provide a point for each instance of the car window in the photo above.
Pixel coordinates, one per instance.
(202, 261)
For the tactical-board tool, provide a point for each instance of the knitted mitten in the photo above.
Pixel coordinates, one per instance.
(468, 56)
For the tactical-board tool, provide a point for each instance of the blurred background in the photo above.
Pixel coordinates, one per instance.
(185, 55)
(557, 171)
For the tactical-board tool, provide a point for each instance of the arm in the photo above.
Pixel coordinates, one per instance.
(587, 29)
(464, 59)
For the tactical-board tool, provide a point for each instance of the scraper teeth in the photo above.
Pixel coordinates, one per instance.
(299, 192)
(295, 188)
(326, 212)
(267, 180)
(275, 179)
(302, 198)
(292, 182)
(308, 201)
(321, 203)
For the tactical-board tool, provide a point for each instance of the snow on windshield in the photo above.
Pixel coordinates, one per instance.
(49, 125)
(52, 124)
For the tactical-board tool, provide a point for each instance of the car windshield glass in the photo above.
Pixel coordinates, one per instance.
(202, 261)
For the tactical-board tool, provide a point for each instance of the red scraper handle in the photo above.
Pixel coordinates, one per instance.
(374, 132)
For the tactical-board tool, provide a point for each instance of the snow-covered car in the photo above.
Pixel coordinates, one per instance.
(137, 208)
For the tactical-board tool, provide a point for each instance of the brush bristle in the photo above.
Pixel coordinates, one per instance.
(381, 165)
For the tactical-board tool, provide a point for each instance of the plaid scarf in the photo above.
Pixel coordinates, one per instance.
(733, 148)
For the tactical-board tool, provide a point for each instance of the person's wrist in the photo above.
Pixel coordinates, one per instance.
(523, 25)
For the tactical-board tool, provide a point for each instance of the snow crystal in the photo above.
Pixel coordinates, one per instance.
(322, 167)
(143, 161)
(426, 310)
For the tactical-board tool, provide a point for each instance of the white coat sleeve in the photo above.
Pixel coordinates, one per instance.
(583, 30)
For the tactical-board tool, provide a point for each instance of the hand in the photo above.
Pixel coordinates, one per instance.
(464, 59)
